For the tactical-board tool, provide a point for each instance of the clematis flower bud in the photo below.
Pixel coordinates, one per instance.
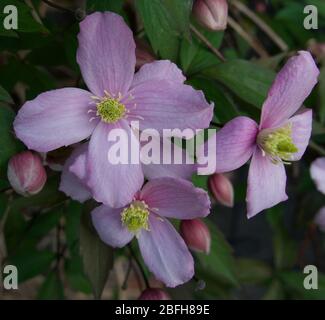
(196, 235)
(212, 14)
(154, 294)
(26, 173)
(221, 188)
(143, 54)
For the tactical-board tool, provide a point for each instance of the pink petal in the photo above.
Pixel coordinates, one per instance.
(235, 143)
(165, 253)
(79, 166)
(112, 184)
(266, 184)
(158, 70)
(183, 168)
(176, 198)
(106, 53)
(291, 87)
(317, 172)
(55, 119)
(70, 184)
(165, 104)
(107, 222)
(301, 131)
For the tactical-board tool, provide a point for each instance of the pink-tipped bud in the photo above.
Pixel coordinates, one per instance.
(26, 173)
(222, 190)
(143, 54)
(260, 7)
(212, 14)
(154, 294)
(196, 235)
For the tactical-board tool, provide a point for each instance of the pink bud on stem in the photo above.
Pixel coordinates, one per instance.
(196, 235)
(211, 14)
(26, 173)
(221, 188)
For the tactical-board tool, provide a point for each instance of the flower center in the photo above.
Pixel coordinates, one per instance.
(135, 217)
(277, 143)
(110, 109)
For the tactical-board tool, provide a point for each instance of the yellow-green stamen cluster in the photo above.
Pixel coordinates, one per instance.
(110, 110)
(278, 143)
(135, 217)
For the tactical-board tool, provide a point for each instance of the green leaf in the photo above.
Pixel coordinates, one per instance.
(32, 263)
(8, 144)
(195, 57)
(26, 20)
(285, 248)
(3, 204)
(224, 106)
(105, 5)
(97, 256)
(275, 291)
(220, 262)
(164, 21)
(72, 228)
(294, 282)
(76, 276)
(52, 288)
(44, 223)
(250, 271)
(5, 96)
(247, 80)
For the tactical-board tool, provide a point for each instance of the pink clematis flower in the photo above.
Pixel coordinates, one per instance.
(317, 172)
(282, 135)
(74, 174)
(163, 249)
(156, 96)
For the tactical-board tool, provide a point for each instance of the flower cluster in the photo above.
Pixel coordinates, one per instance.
(136, 200)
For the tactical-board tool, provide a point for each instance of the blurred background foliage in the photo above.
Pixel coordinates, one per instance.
(260, 258)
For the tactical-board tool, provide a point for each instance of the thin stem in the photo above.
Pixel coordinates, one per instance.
(261, 24)
(127, 275)
(207, 43)
(313, 145)
(247, 37)
(135, 258)
(3, 247)
(57, 6)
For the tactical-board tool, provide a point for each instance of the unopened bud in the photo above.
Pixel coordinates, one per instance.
(26, 173)
(212, 14)
(143, 54)
(319, 219)
(221, 188)
(196, 235)
(154, 294)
